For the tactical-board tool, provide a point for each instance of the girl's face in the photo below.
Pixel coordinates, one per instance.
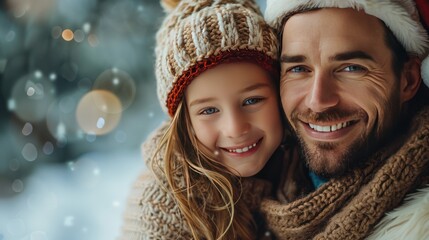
(234, 112)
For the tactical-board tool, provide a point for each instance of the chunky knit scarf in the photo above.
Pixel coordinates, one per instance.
(350, 206)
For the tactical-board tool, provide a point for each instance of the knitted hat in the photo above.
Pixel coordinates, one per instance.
(400, 16)
(197, 35)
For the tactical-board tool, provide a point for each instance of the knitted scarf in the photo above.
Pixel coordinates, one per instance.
(348, 207)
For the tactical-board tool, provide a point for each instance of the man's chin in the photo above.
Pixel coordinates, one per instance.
(327, 168)
(331, 160)
(326, 165)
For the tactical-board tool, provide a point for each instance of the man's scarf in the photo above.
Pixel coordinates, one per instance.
(348, 207)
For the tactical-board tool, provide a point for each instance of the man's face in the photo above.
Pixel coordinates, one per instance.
(338, 89)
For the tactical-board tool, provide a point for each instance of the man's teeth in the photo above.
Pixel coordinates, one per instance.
(242, 150)
(331, 128)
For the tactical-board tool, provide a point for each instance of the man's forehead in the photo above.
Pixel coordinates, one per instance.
(326, 28)
(357, 17)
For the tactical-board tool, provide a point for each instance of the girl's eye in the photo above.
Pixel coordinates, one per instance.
(251, 101)
(354, 68)
(208, 111)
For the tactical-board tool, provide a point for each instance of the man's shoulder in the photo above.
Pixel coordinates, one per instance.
(408, 221)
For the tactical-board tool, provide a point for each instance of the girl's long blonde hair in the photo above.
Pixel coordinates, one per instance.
(208, 195)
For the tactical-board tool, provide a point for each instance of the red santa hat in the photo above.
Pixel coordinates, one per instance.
(407, 19)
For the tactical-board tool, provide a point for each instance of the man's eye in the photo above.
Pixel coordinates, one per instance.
(251, 101)
(208, 111)
(354, 68)
(298, 69)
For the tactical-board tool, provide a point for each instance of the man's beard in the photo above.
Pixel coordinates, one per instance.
(352, 155)
(351, 158)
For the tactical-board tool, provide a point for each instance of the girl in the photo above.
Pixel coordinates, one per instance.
(215, 69)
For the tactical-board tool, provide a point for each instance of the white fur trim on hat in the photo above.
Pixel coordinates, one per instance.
(400, 16)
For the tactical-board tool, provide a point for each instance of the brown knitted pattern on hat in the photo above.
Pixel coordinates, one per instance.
(197, 33)
(348, 207)
(252, 56)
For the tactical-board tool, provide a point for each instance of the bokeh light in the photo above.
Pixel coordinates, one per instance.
(29, 152)
(48, 148)
(34, 10)
(18, 7)
(86, 27)
(27, 129)
(67, 35)
(92, 40)
(14, 165)
(17, 186)
(10, 36)
(118, 82)
(79, 36)
(30, 97)
(70, 166)
(53, 76)
(98, 112)
(61, 118)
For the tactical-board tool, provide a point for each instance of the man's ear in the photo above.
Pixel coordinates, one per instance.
(411, 79)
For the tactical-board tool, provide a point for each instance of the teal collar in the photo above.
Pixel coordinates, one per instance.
(317, 180)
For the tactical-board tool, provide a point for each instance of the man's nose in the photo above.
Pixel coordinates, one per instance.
(323, 93)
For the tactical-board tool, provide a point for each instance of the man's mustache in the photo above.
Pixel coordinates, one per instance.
(330, 115)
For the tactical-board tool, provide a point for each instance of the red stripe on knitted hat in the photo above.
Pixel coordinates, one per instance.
(241, 55)
(423, 7)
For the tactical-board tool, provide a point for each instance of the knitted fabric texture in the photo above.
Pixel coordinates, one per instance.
(350, 206)
(152, 212)
(198, 35)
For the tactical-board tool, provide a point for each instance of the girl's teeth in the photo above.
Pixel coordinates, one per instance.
(331, 128)
(242, 150)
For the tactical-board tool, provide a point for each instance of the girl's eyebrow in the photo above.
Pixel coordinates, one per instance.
(200, 101)
(247, 89)
(255, 86)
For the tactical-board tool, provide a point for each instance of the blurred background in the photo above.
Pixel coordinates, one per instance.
(77, 98)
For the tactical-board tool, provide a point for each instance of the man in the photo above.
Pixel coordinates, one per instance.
(352, 92)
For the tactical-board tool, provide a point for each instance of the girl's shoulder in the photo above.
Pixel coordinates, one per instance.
(151, 212)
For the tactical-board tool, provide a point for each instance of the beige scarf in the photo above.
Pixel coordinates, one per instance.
(350, 206)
